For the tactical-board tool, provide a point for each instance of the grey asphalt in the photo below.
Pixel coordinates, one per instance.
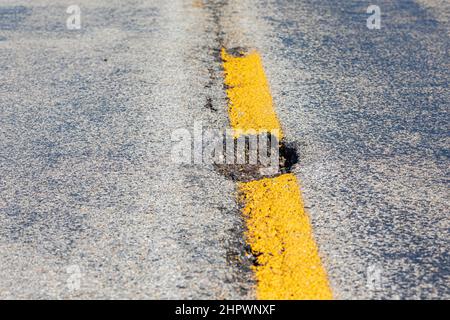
(86, 116)
(369, 112)
(87, 182)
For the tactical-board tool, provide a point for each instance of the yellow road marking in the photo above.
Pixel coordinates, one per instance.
(278, 229)
(251, 105)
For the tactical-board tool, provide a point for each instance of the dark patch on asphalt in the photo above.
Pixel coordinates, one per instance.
(11, 17)
(239, 172)
(238, 51)
(212, 78)
(215, 9)
(239, 256)
(209, 104)
(253, 256)
(289, 156)
(217, 54)
(248, 171)
(25, 224)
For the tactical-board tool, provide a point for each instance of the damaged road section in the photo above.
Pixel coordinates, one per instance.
(259, 149)
(287, 262)
(252, 157)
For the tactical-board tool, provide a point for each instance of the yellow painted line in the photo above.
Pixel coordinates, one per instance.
(278, 228)
(251, 106)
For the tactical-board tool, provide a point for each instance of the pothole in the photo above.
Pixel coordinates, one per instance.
(269, 162)
(238, 51)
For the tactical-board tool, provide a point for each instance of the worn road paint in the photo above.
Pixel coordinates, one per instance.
(250, 102)
(278, 229)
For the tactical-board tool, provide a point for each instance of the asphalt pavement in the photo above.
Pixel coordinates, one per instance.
(93, 206)
(368, 110)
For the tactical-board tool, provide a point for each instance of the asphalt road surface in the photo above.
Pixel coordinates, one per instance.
(92, 205)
